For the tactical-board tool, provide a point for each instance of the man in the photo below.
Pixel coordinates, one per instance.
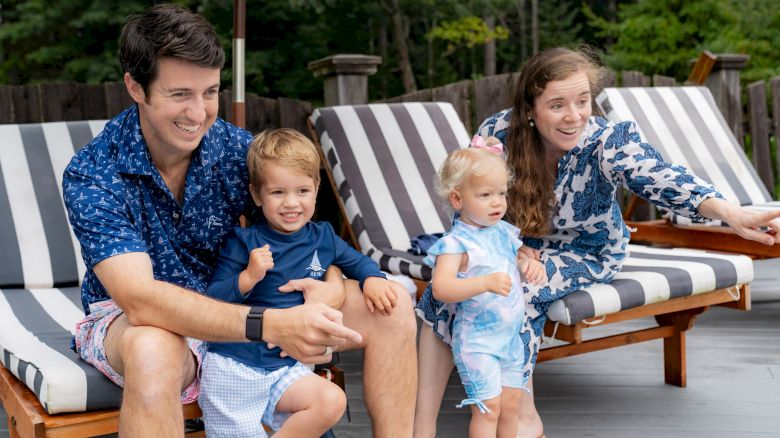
(150, 199)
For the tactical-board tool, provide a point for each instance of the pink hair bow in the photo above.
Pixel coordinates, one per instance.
(491, 143)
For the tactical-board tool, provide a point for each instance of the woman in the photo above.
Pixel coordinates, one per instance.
(568, 165)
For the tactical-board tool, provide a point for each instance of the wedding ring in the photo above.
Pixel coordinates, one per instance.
(328, 350)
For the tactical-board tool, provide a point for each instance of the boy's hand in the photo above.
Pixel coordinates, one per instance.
(260, 261)
(382, 294)
(532, 271)
(498, 283)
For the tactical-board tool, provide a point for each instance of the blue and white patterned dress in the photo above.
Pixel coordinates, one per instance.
(588, 240)
(486, 343)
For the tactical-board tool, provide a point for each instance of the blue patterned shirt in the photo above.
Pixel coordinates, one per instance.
(587, 220)
(118, 203)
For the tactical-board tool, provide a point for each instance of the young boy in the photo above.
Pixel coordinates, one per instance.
(246, 384)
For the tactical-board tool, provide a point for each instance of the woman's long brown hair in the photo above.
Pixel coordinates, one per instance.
(531, 194)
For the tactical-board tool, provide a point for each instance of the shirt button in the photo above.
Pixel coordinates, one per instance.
(175, 215)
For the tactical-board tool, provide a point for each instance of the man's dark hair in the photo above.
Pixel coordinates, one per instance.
(167, 30)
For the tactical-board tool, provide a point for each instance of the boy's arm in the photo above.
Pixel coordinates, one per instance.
(447, 287)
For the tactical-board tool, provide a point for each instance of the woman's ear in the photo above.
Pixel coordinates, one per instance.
(455, 200)
(135, 89)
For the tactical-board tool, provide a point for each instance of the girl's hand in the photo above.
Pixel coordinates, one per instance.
(498, 283)
(533, 271)
(528, 252)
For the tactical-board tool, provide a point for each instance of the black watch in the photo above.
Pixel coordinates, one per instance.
(254, 324)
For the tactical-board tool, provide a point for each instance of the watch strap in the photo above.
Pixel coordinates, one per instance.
(254, 324)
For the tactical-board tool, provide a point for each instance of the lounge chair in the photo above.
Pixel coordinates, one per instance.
(381, 160)
(44, 387)
(686, 127)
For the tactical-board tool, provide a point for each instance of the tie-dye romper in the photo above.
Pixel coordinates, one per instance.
(486, 343)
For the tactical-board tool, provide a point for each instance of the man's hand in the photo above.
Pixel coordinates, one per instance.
(532, 270)
(382, 294)
(303, 332)
(498, 283)
(260, 261)
(331, 292)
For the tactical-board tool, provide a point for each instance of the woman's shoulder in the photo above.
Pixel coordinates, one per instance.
(600, 128)
(496, 125)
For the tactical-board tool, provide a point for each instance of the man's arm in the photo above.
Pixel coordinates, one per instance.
(301, 331)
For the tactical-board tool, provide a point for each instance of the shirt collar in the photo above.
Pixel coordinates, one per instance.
(135, 154)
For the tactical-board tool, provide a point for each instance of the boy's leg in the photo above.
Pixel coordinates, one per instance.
(315, 403)
(233, 397)
(390, 361)
(435, 366)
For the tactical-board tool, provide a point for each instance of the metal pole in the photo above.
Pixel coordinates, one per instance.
(239, 38)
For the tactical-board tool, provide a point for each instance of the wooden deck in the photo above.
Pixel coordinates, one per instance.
(733, 386)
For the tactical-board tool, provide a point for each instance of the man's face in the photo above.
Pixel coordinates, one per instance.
(180, 106)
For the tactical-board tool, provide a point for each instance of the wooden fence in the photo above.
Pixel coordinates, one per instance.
(72, 101)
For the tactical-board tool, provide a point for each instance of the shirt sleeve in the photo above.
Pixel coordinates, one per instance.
(99, 217)
(637, 166)
(446, 245)
(513, 234)
(355, 264)
(232, 259)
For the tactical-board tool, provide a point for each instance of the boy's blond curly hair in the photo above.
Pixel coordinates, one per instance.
(285, 147)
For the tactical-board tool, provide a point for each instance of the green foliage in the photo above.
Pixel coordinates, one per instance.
(467, 32)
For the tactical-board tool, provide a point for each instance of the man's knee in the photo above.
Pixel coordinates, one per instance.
(400, 322)
(154, 354)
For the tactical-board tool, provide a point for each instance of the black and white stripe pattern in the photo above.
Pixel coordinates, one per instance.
(384, 159)
(652, 275)
(36, 326)
(38, 246)
(685, 125)
(40, 258)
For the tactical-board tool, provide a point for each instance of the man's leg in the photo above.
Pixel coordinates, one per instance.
(435, 363)
(390, 367)
(156, 365)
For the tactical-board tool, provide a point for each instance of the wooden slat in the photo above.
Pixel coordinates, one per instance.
(702, 69)
(661, 232)
(759, 133)
(774, 85)
(603, 343)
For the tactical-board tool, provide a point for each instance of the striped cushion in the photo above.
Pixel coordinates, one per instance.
(685, 125)
(652, 275)
(37, 247)
(38, 253)
(384, 159)
(36, 326)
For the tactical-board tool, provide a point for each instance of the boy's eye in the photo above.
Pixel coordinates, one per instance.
(276, 192)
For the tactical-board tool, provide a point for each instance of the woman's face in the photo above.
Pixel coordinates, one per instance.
(561, 112)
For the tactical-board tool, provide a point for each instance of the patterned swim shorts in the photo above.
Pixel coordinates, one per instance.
(91, 332)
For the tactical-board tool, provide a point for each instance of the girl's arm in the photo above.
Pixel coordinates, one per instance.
(448, 288)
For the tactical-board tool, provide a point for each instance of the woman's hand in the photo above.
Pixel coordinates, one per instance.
(762, 226)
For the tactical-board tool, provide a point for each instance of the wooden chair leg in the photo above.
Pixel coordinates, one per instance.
(12, 428)
(674, 346)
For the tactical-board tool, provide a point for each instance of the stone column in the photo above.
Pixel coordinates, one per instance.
(346, 77)
(723, 81)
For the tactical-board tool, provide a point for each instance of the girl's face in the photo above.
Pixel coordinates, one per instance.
(481, 201)
(561, 112)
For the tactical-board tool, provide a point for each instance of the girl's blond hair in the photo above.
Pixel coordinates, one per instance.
(464, 163)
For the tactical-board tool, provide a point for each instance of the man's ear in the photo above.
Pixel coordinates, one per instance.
(455, 200)
(135, 89)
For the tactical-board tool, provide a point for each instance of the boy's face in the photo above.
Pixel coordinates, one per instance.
(181, 105)
(286, 197)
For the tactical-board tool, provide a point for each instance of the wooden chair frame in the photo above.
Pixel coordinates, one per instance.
(674, 318)
(27, 418)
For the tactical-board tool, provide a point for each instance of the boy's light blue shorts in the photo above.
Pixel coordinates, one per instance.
(237, 399)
